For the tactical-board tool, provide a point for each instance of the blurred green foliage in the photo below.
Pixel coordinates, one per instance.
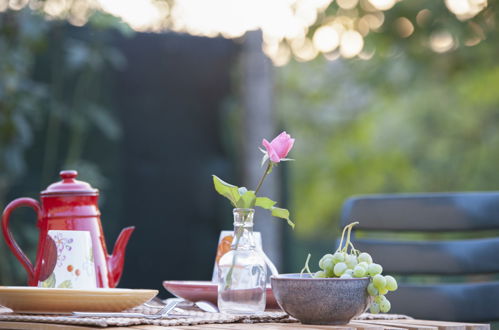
(53, 95)
(21, 35)
(407, 120)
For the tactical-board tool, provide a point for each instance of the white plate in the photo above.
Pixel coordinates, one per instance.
(50, 300)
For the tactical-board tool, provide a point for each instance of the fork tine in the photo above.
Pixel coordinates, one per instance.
(165, 310)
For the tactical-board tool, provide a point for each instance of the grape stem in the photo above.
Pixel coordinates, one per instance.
(341, 241)
(306, 267)
(348, 243)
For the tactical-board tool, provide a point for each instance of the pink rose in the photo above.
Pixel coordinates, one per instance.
(279, 147)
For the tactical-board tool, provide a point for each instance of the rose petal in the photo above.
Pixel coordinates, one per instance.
(290, 146)
(283, 135)
(282, 144)
(274, 157)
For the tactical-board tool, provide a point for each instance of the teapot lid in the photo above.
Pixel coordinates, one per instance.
(70, 186)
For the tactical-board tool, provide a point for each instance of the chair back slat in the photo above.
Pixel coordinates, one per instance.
(424, 212)
(457, 257)
(460, 302)
(433, 214)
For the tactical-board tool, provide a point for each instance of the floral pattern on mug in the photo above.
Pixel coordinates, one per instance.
(75, 267)
(63, 244)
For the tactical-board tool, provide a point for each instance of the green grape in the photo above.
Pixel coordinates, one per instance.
(348, 272)
(378, 299)
(340, 268)
(374, 308)
(385, 306)
(328, 265)
(351, 261)
(365, 257)
(325, 258)
(391, 283)
(383, 291)
(320, 274)
(364, 265)
(374, 269)
(359, 271)
(379, 282)
(346, 275)
(372, 290)
(338, 257)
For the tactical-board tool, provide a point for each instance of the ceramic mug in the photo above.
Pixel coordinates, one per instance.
(71, 259)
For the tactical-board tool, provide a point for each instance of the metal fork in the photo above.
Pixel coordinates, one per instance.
(204, 306)
(163, 312)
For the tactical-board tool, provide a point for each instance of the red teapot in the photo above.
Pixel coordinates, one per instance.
(71, 250)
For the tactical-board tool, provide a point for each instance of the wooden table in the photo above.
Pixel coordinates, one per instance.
(357, 325)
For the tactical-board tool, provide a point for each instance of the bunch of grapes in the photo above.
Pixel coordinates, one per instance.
(347, 262)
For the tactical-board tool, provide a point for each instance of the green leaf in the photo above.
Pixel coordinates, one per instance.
(227, 190)
(66, 284)
(247, 200)
(283, 214)
(264, 203)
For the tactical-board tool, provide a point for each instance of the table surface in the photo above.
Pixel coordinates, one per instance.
(357, 325)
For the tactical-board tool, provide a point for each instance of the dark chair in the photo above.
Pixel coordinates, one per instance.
(463, 259)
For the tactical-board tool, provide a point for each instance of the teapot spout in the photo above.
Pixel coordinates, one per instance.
(116, 261)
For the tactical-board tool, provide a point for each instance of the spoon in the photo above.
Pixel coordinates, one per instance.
(206, 306)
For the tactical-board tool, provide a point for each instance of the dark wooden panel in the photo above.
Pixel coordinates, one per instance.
(469, 302)
(170, 97)
(474, 256)
(424, 212)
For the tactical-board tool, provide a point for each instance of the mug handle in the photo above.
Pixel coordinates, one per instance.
(11, 243)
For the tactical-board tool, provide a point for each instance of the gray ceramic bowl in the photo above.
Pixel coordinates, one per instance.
(321, 300)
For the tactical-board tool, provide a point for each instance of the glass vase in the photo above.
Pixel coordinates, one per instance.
(242, 272)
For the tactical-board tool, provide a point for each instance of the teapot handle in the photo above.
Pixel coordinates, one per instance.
(12, 244)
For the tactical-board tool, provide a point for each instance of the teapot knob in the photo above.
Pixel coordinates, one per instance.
(69, 186)
(68, 174)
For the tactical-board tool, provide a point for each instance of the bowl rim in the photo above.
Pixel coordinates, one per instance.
(283, 277)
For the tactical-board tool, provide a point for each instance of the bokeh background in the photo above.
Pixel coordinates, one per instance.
(147, 99)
